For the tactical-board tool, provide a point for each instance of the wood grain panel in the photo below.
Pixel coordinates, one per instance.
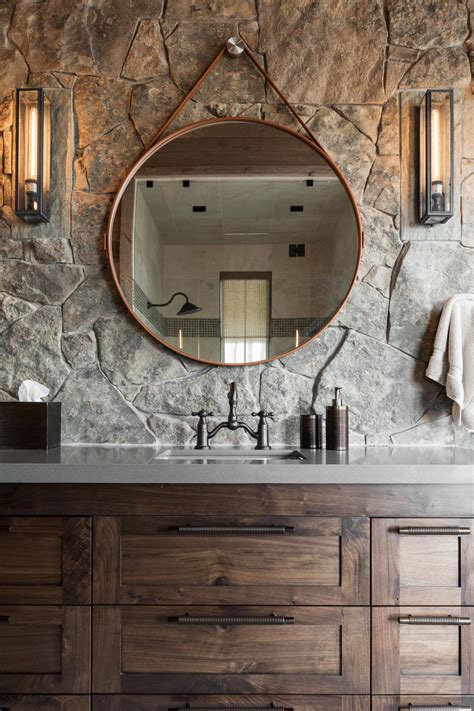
(325, 651)
(422, 569)
(421, 659)
(44, 649)
(315, 561)
(12, 702)
(298, 702)
(45, 560)
(388, 500)
(394, 703)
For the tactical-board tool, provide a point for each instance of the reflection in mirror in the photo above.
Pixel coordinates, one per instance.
(235, 242)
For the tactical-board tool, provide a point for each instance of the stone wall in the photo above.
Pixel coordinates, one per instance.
(116, 69)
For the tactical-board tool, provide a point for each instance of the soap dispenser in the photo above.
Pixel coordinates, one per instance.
(337, 423)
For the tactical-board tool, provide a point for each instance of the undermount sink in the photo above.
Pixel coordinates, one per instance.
(230, 455)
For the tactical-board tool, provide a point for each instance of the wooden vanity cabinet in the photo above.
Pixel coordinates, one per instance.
(259, 702)
(233, 560)
(232, 650)
(45, 560)
(423, 650)
(44, 649)
(423, 561)
(422, 703)
(171, 621)
(14, 702)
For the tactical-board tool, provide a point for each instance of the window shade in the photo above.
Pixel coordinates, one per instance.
(245, 316)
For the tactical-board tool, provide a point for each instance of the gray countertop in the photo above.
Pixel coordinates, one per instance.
(139, 465)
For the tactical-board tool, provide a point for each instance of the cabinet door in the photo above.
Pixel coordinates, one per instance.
(14, 702)
(237, 561)
(422, 703)
(419, 650)
(231, 650)
(298, 702)
(45, 560)
(44, 650)
(423, 561)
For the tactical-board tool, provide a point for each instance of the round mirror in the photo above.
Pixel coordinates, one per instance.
(234, 241)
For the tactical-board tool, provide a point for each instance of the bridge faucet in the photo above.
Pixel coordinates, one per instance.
(204, 435)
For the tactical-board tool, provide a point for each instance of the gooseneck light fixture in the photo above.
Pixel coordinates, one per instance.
(186, 309)
(436, 156)
(33, 155)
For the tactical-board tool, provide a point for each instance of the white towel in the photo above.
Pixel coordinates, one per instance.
(452, 362)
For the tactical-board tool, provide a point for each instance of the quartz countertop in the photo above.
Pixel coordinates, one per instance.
(139, 465)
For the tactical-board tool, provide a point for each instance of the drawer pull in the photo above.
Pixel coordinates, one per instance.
(431, 620)
(204, 620)
(233, 529)
(434, 531)
(232, 708)
(449, 707)
(6, 527)
(5, 618)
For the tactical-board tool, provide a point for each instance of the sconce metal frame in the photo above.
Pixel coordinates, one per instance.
(433, 203)
(40, 199)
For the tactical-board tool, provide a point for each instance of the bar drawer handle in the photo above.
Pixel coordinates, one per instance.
(7, 527)
(206, 620)
(449, 707)
(5, 618)
(232, 708)
(233, 529)
(431, 620)
(434, 531)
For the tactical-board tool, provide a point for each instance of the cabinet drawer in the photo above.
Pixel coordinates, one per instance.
(234, 703)
(45, 560)
(422, 650)
(231, 650)
(422, 703)
(235, 561)
(44, 650)
(423, 561)
(10, 702)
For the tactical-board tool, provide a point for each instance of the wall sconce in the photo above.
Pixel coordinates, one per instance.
(436, 156)
(33, 155)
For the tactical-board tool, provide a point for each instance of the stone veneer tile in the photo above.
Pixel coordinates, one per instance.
(385, 389)
(330, 68)
(424, 24)
(207, 390)
(30, 350)
(92, 55)
(429, 274)
(94, 411)
(129, 356)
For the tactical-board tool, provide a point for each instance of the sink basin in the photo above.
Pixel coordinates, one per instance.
(230, 455)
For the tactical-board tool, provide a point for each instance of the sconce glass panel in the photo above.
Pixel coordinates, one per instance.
(33, 155)
(436, 156)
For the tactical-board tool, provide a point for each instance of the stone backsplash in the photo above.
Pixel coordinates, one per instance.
(115, 70)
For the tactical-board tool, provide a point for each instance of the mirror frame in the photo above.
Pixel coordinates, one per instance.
(156, 146)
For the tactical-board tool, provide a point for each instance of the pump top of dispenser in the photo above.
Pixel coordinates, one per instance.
(337, 400)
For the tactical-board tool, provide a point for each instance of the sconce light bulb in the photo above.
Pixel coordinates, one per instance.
(32, 167)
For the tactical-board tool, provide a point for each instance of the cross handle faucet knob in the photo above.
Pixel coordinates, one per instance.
(202, 413)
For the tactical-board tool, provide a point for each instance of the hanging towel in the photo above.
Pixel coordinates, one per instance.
(452, 362)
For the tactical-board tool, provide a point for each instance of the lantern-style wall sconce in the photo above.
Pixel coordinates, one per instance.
(436, 156)
(33, 155)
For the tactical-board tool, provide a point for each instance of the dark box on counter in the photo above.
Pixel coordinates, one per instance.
(30, 425)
